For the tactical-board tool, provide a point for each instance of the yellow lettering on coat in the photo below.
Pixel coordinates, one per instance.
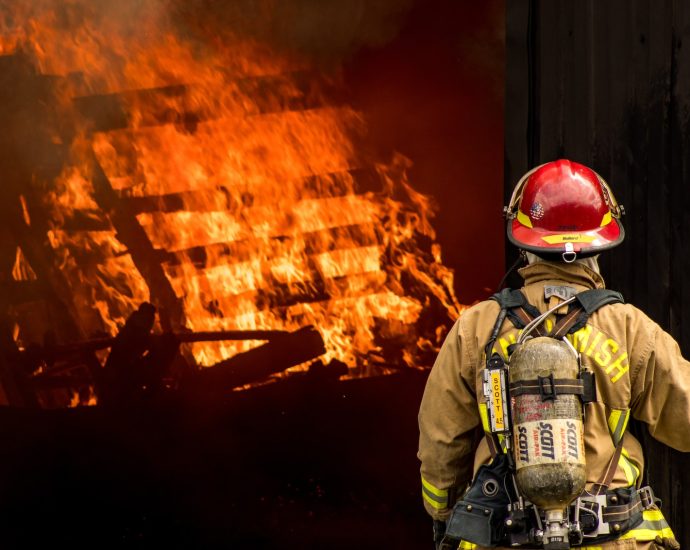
(581, 337)
(594, 343)
(603, 356)
(618, 366)
(505, 341)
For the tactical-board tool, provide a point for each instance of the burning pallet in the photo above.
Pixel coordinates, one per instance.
(229, 202)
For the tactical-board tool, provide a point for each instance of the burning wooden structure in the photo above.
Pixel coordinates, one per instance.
(225, 186)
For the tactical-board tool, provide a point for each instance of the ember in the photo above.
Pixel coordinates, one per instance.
(222, 181)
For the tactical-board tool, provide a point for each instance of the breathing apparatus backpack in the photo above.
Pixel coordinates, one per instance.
(532, 492)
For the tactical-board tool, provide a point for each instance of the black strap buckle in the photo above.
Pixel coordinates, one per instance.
(547, 388)
(646, 497)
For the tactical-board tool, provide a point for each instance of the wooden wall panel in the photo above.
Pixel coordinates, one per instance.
(607, 83)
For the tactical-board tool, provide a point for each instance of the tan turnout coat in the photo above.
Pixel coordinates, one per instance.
(638, 369)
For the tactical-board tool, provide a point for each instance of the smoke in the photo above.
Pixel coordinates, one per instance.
(326, 31)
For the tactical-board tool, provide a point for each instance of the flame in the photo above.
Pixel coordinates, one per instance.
(246, 184)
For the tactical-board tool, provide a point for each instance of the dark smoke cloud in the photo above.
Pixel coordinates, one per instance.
(326, 31)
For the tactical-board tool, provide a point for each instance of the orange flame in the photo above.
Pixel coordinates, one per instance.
(246, 183)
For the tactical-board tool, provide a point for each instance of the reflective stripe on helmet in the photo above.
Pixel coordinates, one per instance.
(568, 238)
(523, 219)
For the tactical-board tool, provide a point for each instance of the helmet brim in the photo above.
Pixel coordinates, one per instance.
(585, 243)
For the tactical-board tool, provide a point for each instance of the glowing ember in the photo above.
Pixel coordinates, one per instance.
(259, 209)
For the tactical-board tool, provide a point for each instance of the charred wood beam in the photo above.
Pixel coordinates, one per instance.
(281, 297)
(319, 186)
(257, 364)
(86, 221)
(314, 242)
(59, 352)
(176, 104)
(28, 157)
(132, 235)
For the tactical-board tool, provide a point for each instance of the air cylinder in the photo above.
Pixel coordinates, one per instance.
(548, 429)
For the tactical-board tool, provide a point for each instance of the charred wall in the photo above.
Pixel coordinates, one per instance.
(607, 83)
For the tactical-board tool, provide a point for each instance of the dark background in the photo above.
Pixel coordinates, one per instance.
(607, 84)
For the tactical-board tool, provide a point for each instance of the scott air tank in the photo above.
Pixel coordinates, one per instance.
(548, 429)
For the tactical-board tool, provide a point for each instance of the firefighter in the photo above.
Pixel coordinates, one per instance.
(561, 216)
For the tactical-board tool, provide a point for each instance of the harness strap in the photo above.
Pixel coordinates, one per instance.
(552, 387)
(567, 322)
(519, 310)
(523, 318)
(601, 486)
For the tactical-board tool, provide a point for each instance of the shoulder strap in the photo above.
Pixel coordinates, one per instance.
(509, 298)
(519, 310)
(588, 301)
(591, 300)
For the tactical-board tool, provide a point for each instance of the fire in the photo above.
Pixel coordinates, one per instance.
(246, 187)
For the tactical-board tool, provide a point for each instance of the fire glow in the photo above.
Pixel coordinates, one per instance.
(241, 173)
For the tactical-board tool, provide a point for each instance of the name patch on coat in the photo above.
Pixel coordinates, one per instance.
(562, 292)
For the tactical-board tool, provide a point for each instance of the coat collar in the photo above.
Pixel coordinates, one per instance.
(575, 273)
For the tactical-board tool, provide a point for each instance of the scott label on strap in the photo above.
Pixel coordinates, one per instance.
(497, 399)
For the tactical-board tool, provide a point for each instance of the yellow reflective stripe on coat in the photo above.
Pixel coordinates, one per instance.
(484, 414)
(653, 525)
(618, 421)
(466, 545)
(632, 472)
(438, 498)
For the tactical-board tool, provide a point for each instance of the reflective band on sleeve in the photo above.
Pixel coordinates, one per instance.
(618, 421)
(653, 525)
(438, 498)
(465, 545)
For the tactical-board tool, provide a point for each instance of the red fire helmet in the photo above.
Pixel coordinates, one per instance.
(564, 208)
